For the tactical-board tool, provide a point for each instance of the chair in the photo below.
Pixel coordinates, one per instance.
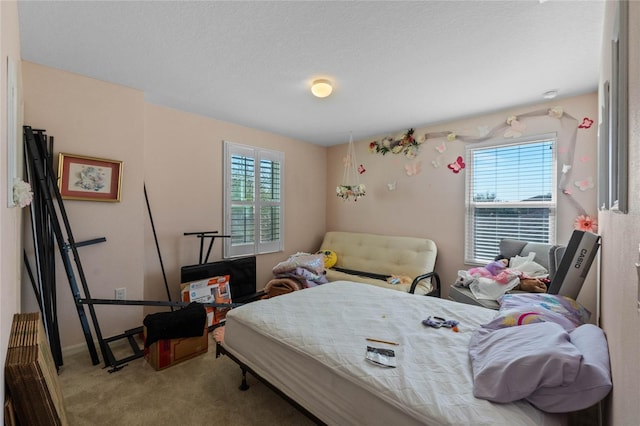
(547, 255)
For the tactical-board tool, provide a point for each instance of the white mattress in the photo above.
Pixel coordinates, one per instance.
(311, 345)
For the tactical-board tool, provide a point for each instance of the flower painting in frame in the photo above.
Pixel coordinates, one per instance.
(89, 178)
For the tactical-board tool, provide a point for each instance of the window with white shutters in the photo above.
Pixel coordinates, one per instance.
(253, 203)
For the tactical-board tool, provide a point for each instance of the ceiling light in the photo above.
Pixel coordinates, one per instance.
(321, 88)
(550, 94)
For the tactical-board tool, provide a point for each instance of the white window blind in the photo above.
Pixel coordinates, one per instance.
(253, 200)
(510, 193)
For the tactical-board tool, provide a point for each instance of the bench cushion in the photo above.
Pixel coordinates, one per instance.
(383, 255)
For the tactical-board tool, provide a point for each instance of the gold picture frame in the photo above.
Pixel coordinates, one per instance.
(89, 178)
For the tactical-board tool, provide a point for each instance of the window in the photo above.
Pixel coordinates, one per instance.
(510, 193)
(253, 206)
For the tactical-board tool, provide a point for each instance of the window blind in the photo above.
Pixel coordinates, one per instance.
(510, 193)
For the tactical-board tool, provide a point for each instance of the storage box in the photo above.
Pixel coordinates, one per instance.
(167, 352)
(209, 290)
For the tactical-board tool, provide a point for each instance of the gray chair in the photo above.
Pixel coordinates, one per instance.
(547, 255)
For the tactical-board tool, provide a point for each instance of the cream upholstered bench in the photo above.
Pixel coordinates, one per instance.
(372, 258)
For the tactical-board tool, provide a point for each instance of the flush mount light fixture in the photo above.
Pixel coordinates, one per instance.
(321, 88)
(550, 94)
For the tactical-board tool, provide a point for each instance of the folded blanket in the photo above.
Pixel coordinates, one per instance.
(312, 262)
(308, 269)
(279, 286)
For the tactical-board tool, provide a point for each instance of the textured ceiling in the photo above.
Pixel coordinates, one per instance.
(395, 64)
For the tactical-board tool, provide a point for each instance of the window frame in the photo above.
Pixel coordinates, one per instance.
(258, 155)
(470, 252)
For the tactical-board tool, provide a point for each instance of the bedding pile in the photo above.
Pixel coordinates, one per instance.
(299, 271)
(491, 282)
(540, 348)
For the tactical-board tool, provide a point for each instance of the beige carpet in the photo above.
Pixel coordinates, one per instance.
(202, 390)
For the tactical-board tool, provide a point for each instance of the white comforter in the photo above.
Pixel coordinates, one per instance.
(311, 344)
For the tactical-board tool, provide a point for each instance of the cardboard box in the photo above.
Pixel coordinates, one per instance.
(209, 290)
(31, 375)
(167, 352)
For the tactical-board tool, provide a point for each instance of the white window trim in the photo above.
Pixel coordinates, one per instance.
(469, 257)
(229, 250)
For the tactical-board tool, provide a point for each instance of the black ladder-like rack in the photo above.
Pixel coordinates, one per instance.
(46, 211)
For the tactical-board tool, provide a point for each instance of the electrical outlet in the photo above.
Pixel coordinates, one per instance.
(638, 279)
(121, 293)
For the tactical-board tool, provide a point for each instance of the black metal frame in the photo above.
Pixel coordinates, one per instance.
(220, 350)
(46, 207)
(435, 292)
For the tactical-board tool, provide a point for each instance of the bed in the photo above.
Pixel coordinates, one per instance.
(311, 346)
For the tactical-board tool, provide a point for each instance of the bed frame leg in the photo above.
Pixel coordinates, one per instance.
(244, 386)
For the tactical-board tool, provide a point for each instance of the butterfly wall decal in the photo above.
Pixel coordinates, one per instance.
(361, 169)
(441, 148)
(413, 169)
(437, 162)
(457, 165)
(586, 123)
(584, 184)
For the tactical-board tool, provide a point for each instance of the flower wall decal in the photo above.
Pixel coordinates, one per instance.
(22, 194)
(406, 144)
(556, 112)
(586, 223)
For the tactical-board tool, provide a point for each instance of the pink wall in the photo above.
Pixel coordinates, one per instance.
(184, 171)
(10, 218)
(179, 156)
(96, 119)
(620, 239)
(430, 204)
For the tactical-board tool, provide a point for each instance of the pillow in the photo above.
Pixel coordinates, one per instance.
(593, 381)
(330, 258)
(511, 363)
(527, 315)
(561, 305)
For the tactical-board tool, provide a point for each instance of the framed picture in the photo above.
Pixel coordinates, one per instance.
(89, 178)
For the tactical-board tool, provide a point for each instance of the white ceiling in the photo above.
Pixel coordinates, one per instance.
(395, 64)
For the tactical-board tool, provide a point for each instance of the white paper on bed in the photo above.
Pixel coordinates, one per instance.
(310, 344)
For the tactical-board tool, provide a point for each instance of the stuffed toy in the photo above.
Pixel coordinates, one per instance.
(399, 279)
(330, 258)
